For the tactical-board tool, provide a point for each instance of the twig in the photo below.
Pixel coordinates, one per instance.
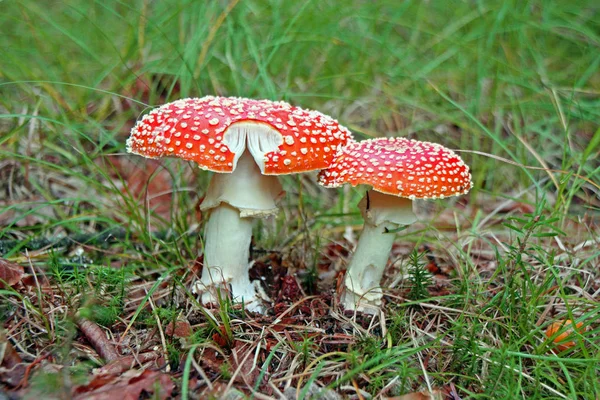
(123, 364)
(96, 336)
(25, 381)
(163, 341)
(357, 389)
(202, 374)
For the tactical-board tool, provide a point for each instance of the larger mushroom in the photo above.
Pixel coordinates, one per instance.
(246, 143)
(399, 171)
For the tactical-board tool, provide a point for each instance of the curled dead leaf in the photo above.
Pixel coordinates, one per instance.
(128, 386)
(10, 273)
(182, 329)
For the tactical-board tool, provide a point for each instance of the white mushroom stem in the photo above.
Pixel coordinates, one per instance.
(233, 200)
(226, 254)
(382, 214)
(365, 271)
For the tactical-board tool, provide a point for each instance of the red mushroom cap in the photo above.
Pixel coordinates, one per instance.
(400, 167)
(193, 129)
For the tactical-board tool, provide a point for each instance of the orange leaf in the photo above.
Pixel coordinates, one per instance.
(562, 341)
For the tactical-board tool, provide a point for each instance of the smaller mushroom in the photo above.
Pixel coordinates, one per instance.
(399, 171)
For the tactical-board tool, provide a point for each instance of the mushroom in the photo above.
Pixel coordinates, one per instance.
(246, 142)
(399, 170)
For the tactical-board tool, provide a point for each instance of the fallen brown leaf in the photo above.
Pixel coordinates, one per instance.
(10, 273)
(31, 280)
(11, 369)
(8, 355)
(424, 395)
(13, 376)
(212, 361)
(240, 359)
(182, 329)
(220, 337)
(148, 182)
(128, 386)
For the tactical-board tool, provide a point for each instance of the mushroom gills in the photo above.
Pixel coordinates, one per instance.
(258, 137)
(246, 188)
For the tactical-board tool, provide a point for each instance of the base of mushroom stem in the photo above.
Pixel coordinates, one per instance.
(250, 293)
(368, 303)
